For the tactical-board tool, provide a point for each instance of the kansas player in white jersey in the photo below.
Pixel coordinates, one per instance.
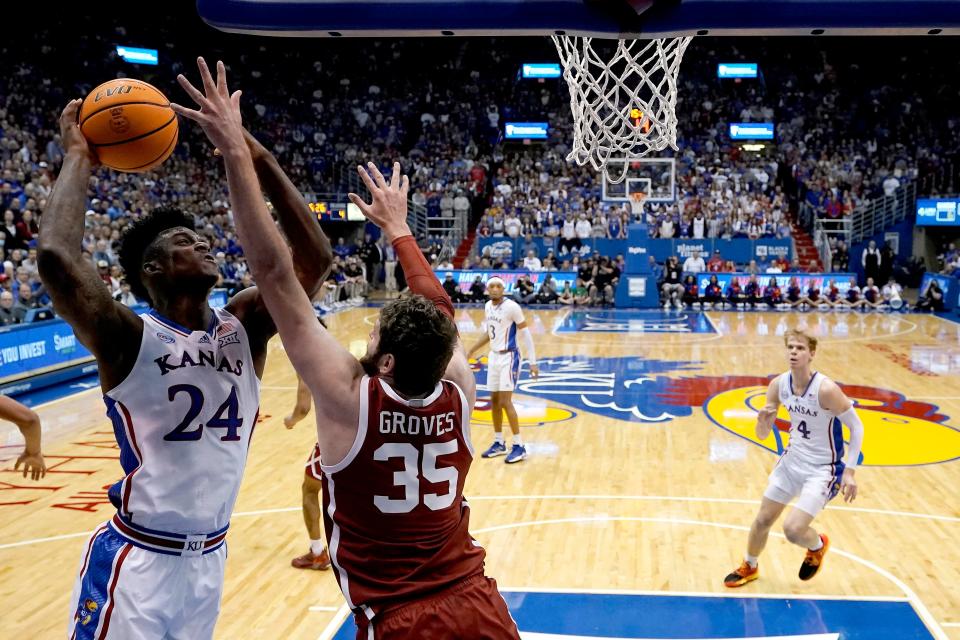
(812, 468)
(181, 385)
(503, 324)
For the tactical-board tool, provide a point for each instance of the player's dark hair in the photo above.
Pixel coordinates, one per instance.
(137, 244)
(421, 339)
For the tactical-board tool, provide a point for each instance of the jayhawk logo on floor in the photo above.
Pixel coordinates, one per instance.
(622, 388)
(633, 389)
(897, 431)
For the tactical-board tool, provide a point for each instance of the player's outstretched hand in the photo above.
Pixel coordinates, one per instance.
(389, 207)
(848, 486)
(72, 139)
(534, 371)
(32, 464)
(219, 112)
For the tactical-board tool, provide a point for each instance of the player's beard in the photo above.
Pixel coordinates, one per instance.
(369, 363)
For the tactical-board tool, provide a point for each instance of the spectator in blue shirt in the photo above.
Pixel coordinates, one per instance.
(342, 249)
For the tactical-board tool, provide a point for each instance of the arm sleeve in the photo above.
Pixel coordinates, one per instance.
(852, 421)
(528, 350)
(419, 275)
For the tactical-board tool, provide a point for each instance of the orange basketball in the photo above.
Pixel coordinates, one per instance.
(129, 124)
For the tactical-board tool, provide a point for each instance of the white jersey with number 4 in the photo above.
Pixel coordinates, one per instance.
(501, 322)
(816, 435)
(183, 418)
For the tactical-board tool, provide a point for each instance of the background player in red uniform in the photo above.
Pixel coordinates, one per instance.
(394, 428)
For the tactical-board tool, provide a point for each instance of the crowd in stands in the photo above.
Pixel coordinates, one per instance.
(849, 128)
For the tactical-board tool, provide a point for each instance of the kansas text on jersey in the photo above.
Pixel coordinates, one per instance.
(183, 418)
(816, 435)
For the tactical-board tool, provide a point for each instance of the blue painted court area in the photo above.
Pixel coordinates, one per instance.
(569, 616)
(635, 321)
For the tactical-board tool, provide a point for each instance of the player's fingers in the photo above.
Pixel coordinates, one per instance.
(367, 180)
(363, 206)
(69, 114)
(395, 176)
(191, 90)
(16, 466)
(377, 176)
(235, 99)
(405, 185)
(222, 79)
(209, 87)
(189, 114)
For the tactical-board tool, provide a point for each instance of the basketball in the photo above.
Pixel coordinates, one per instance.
(129, 124)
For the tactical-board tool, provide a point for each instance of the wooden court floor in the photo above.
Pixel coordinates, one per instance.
(642, 476)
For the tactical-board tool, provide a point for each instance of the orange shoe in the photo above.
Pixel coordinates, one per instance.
(319, 562)
(744, 574)
(814, 559)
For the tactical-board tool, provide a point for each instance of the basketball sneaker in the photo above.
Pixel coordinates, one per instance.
(743, 574)
(517, 453)
(814, 559)
(320, 562)
(496, 449)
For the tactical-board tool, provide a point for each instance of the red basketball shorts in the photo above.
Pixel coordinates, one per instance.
(469, 610)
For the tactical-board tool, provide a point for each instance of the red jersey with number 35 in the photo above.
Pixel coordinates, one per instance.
(396, 521)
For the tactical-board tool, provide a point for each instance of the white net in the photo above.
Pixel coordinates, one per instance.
(624, 101)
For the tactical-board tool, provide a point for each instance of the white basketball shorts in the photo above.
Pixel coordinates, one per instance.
(126, 592)
(812, 485)
(503, 370)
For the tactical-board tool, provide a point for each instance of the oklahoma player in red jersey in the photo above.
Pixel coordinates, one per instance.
(394, 428)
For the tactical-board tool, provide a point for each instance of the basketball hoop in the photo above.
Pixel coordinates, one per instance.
(624, 104)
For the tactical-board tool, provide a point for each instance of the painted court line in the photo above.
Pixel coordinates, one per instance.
(915, 601)
(525, 635)
(885, 512)
(335, 622)
(342, 613)
(705, 594)
(260, 512)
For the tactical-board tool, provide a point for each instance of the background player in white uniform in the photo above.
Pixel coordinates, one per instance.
(812, 468)
(181, 384)
(503, 323)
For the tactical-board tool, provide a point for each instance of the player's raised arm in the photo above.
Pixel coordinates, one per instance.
(389, 212)
(768, 415)
(834, 400)
(109, 329)
(316, 355)
(312, 253)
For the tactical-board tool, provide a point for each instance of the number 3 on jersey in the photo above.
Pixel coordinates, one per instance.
(409, 479)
